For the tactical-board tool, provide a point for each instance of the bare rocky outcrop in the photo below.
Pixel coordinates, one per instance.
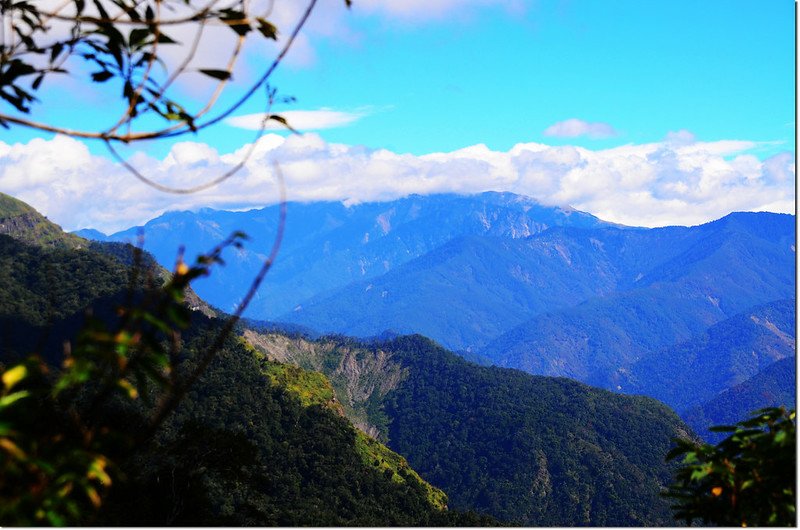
(361, 377)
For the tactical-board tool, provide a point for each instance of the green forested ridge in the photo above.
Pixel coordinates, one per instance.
(537, 450)
(21, 221)
(45, 291)
(250, 444)
(244, 450)
(532, 450)
(39, 283)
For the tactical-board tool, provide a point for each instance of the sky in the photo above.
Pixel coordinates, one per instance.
(642, 113)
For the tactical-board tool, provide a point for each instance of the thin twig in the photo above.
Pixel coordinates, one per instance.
(194, 189)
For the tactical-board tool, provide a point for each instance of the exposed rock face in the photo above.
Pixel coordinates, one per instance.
(16, 225)
(360, 377)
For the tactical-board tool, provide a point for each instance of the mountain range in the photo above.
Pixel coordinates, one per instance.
(284, 430)
(505, 280)
(328, 245)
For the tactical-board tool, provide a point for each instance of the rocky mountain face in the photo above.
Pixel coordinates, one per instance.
(360, 377)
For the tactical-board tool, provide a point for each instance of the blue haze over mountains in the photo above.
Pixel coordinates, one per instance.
(682, 314)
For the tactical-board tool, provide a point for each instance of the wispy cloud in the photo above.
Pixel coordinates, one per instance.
(302, 120)
(574, 128)
(656, 184)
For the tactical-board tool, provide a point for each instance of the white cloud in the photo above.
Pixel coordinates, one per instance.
(574, 127)
(302, 120)
(653, 184)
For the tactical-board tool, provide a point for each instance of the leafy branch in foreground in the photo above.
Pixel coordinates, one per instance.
(748, 479)
(58, 442)
(127, 45)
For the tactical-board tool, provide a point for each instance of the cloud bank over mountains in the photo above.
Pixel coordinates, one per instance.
(676, 181)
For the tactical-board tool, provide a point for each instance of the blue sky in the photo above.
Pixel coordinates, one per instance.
(597, 82)
(721, 69)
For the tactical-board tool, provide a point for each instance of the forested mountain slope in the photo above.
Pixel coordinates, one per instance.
(548, 290)
(531, 450)
(728, 353)
(22, 222)
(711, 273)
(253, 443)
(775, 385)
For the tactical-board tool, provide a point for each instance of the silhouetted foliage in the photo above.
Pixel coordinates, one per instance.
(747, 479)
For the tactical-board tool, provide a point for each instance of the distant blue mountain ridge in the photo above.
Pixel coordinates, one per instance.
(328, 245)
(509, 281)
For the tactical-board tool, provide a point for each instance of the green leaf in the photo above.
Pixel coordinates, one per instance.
(236, 20)
(701, 473)
(222, 75)
(11, 398)
(723, 428)
(282, 121)
(267, 29)
(55, 519)
(102, 76)
(138, 35)
(14, 375)
(163, 38)
(55, 51)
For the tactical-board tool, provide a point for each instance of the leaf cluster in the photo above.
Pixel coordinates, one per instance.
(747, 479)
(126, 43)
